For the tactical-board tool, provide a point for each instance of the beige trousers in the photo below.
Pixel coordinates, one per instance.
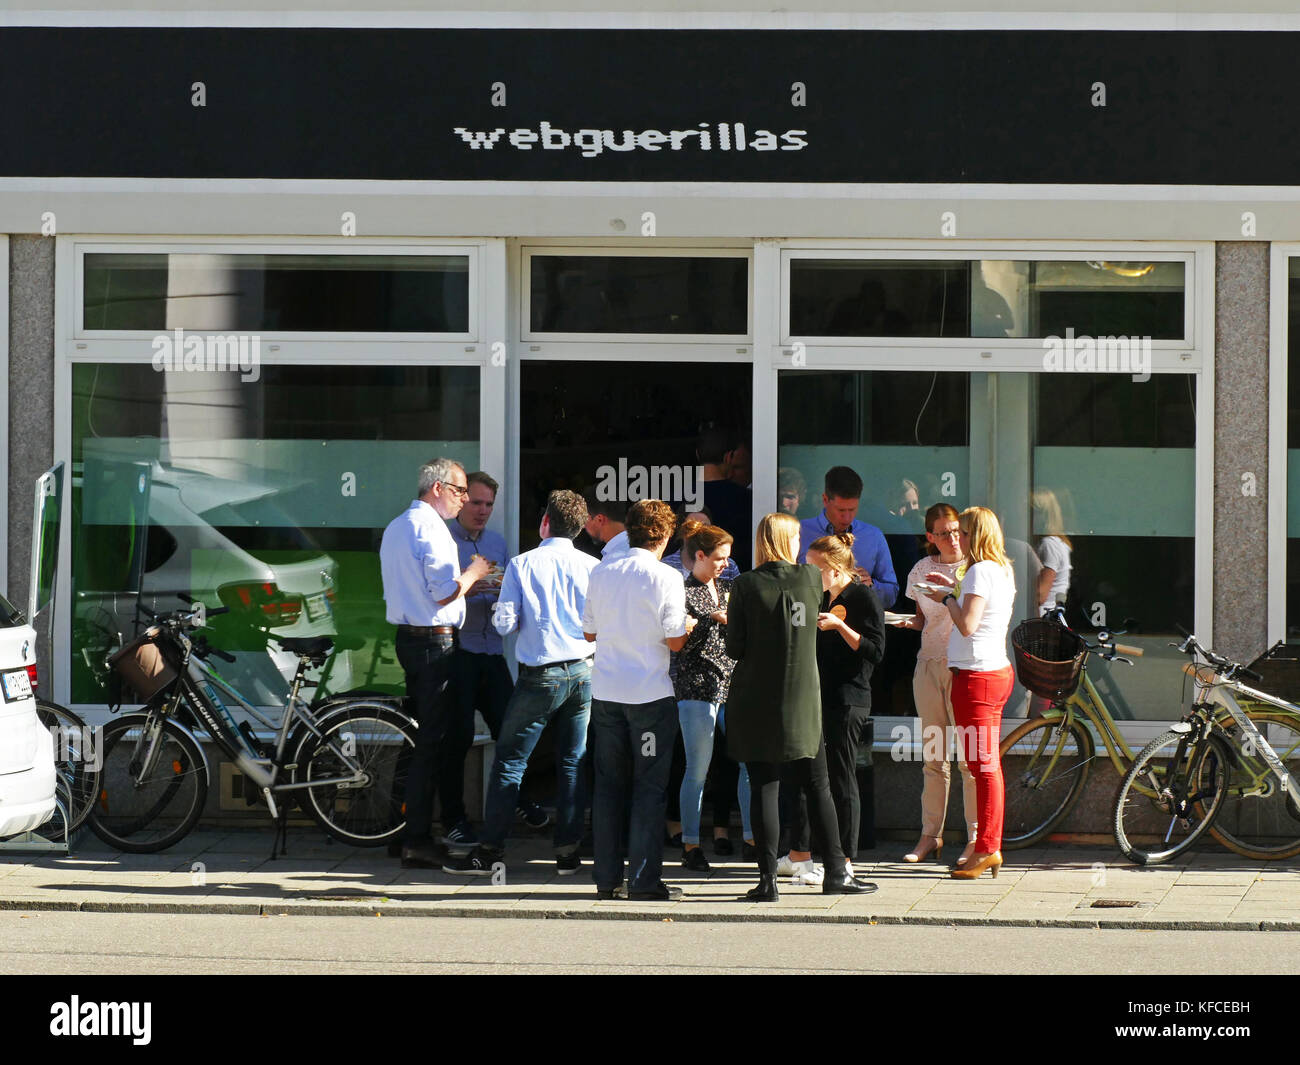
(932, 689)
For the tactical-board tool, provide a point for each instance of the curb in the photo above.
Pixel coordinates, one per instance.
(665, 912)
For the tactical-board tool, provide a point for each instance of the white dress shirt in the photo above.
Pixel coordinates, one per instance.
(634, 604)
(419, 564)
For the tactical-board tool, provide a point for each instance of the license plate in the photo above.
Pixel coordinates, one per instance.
(17, 685)
(317, 607)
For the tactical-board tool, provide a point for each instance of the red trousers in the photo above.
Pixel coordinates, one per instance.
(977, 702)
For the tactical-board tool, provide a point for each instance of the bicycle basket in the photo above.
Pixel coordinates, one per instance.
(143, 668)
(1049, 658)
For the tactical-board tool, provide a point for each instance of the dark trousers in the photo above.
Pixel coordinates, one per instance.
(808, 776)
(631, 752)
(845, 728)
(427, 662)
(482, 683)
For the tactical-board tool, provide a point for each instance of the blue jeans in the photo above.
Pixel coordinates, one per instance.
(559, 693)
(632, 750)
(697, 720)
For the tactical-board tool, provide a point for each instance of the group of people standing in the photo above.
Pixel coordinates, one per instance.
(779, 657)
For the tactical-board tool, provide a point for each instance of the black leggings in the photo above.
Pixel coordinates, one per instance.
(809, 776)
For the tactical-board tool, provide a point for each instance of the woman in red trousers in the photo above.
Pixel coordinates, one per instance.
(982, 675)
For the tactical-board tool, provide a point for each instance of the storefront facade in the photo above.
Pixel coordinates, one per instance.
(820, 237)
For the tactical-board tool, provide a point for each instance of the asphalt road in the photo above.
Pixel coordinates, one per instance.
(157, 944)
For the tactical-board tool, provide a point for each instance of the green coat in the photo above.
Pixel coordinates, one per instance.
(774, 710)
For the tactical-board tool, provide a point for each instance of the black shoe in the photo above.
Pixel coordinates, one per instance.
(748, 852)
(662, 893)
(461, 835)
(426, 855)
(567, 864)
(532, 815)
(722, 846)
(619, 892)
(694, 859)
(674, 840)
(477, 862)
(765, 892)
(847, 885)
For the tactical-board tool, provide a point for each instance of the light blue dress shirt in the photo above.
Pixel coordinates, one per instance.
(477, 634)
(419, 565)
(543, 595)
(870, 551)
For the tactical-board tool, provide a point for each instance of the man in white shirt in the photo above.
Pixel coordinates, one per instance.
(636, 614)
(424, 594)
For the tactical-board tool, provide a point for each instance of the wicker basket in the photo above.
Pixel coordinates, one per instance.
(1049, 658)
(143, 668)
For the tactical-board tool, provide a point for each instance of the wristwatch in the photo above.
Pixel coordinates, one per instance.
(945, 599)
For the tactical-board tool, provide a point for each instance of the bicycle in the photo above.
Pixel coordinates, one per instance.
(76, 760)
(1217, 771)
(1058, 748)
(344, 759)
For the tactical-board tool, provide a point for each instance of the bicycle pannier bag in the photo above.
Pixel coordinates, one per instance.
(142, 668)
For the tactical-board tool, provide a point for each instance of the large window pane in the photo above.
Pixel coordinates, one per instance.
(1114, 493)
(268, 497)
(278, 293)
(988, 298)
(907, 435)
(1293, 452)
(891, 298)
(675, 295)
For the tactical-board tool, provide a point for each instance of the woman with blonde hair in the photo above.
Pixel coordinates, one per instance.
(932, 688)
(774, 707)
(982, 674)
(850, 644)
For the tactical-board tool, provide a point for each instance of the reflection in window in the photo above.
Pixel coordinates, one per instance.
(988, 298)
(675, 295)
(277, 293)
(892, 298)
(266, 497)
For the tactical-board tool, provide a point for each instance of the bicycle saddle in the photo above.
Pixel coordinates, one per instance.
(308, 645)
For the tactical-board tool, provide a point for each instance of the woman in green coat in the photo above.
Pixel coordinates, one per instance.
(774, 713)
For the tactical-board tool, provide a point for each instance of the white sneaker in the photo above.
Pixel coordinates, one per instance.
(807, 873)
(784, 867)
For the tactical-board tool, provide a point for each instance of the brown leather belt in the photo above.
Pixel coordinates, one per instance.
(428, 630)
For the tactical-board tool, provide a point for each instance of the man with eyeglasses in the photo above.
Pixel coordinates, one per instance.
(424, 593)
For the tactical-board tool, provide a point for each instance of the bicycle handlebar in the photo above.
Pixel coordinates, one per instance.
(1105, 645)
(1223, 667)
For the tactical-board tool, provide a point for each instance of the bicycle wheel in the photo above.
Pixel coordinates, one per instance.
(1186, 780)
(379, 740)
(162, 808)
(1045, 766)
(76, 759)
(1258, 820)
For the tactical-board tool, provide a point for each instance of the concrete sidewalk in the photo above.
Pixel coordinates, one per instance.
(1052, 885)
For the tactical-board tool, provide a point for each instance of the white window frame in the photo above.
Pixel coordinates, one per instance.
(487, 313)
(1005, 356)
(115, 343)
(633, 346)
(1006, 353)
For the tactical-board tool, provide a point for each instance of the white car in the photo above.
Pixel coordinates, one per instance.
(27, 776)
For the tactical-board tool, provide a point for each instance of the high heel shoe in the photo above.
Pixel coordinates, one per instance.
(966, 854)
(977, 864)
(926, 846)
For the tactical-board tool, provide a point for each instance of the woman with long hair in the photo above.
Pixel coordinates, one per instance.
(701, 678)
(774, 706)
(850, 644)
(932, 688)
(982, 674)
